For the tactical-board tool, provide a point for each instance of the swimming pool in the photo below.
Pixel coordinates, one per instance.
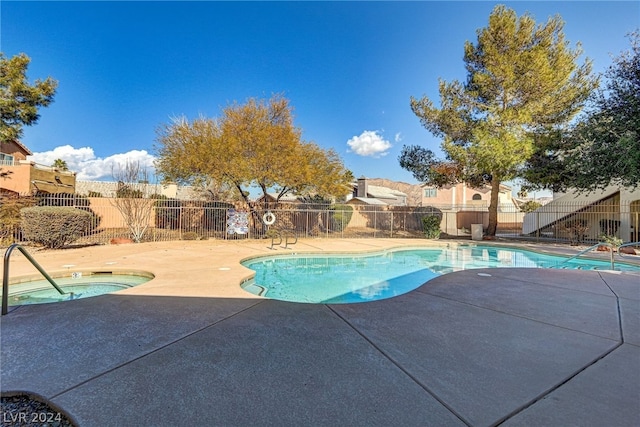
(77, 285)
(349, 278)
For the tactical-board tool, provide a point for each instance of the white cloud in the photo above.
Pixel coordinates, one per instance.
(88, 166)
(398, 137)
(369, 143)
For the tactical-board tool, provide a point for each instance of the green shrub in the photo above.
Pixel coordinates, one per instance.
(431, 226)
(340, 216)
(70, 200)
(54, 227)
(612, 240)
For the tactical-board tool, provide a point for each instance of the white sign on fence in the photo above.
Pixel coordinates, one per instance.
(237, 222)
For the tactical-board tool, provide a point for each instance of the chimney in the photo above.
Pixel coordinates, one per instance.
(362, 187)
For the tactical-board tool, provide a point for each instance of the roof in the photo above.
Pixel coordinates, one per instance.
(368, 201)
(384, 192)
(21, 146)
(287, 198)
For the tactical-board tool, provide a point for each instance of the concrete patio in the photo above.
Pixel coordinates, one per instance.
(512, 347)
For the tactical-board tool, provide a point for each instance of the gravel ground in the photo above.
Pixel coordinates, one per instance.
(23, 410)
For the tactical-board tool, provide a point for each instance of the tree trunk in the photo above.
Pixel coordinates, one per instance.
(493, 207)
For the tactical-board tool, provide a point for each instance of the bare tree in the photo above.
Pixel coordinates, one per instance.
(130, 200)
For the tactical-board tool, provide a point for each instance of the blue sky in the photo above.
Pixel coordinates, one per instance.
(348, 68)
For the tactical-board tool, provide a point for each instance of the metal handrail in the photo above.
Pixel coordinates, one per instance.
(286, 239)
(5, 276)
(612, 249)
(609, 245)
(280, 234)
(276, 234)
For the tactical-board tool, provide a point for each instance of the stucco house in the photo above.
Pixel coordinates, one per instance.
(27, 177)
(463, 195)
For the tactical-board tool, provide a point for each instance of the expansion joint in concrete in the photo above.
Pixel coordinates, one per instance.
(401, 368)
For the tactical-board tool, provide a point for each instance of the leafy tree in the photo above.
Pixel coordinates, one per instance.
(19, 101)
(60, 164)
(522, 83)
(252, 144)
(603, 148)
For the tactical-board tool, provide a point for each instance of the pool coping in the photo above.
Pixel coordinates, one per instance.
(231, 274)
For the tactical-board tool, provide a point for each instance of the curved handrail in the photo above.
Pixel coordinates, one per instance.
(286, 239)
(612, 249)
(5, 276)
(283, 234)
(276, 234)
(590, 248)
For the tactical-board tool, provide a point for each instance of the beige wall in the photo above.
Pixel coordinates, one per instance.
(27, 177)
(18, 180)
(110, 216)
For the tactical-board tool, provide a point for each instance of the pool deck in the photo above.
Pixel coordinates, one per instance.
(500, 346)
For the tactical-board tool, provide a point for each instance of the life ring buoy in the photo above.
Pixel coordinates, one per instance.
(269, 218)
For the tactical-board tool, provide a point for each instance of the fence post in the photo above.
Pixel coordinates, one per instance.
(180, 222)
(327, 224)
(375, 222)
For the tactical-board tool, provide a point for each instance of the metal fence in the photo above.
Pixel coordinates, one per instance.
(165, 220)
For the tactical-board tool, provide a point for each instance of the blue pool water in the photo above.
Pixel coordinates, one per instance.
(358, 278)
(76, 287)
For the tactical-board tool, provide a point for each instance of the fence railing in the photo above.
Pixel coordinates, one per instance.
(167, 219)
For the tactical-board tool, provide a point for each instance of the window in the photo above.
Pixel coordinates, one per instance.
(430, 192)
(476, 196)
(6, 159)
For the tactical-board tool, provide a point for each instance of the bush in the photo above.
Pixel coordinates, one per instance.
(577, 229)
(340, 216)
(612, 240)
(54, 227)
(431, 226)
(72, 201)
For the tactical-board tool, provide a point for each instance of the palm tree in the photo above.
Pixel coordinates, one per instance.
(60, 164)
